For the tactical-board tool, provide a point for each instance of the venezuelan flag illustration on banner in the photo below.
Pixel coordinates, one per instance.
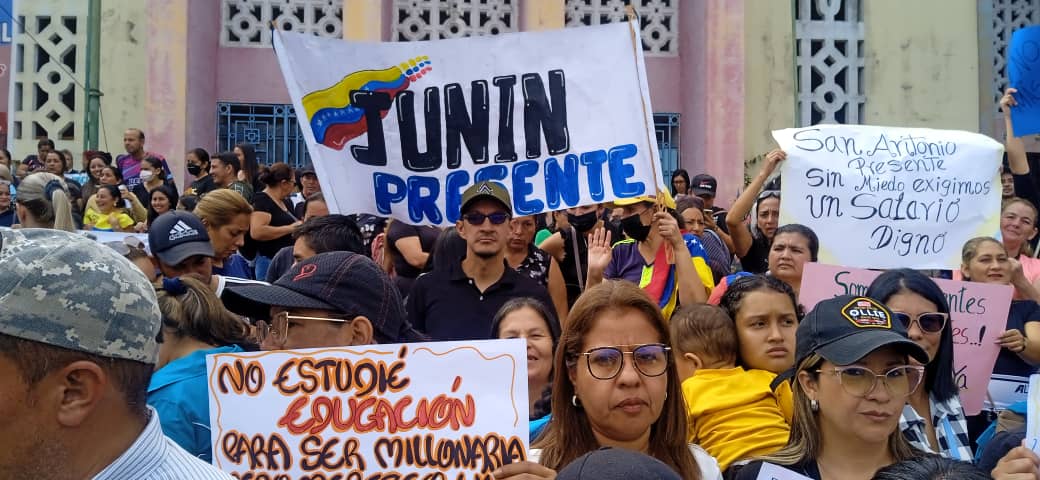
(332, 117)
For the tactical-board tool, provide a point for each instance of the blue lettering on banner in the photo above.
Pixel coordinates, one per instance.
(620, 172)
(593, 161)
(562, 183)
(522, 188)
(423, 196)
(454, 184)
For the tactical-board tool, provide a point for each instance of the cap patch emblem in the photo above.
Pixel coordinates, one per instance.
(866, 313)
(181, 230)
(306, 271)
(485, 189)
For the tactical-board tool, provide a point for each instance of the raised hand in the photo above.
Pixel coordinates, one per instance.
(599, 251)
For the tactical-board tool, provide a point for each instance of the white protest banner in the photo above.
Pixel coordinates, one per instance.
(978, 315)
(116, 237)
(881, 197)
(559, 118)
(446, 410)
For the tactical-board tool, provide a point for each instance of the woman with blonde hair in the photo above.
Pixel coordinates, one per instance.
(617, 387)
(226, 215)
(851, 379)
(43, 202)
(194, 325)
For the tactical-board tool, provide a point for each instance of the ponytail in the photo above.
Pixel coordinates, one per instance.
(46, 202)
(62, 210)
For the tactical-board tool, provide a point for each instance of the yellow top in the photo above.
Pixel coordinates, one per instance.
(734, 415)
(100, 221)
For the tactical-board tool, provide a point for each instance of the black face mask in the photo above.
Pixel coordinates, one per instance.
(634, 228)
(583, 222)
(195, 170)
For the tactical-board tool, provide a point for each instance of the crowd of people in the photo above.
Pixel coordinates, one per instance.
(662, 331)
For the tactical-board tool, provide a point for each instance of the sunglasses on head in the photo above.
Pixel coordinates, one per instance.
(930, 322)
(477, 218)
(769, 193)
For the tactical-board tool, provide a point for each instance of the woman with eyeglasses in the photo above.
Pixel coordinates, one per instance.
(933, 419)
(852, 378)
(194, 325)
(751, 242)
(616, 386)
(985, 260)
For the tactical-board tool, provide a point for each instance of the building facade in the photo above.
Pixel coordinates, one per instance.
(722, 73)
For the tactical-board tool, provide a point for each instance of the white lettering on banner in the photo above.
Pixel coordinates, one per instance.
(424, 410)
(401, 129)
(881, 197)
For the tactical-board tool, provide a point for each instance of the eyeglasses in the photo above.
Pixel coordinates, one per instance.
(860, 381)
(650, 359)
(769, 193)
(477, 219)
(125, 247)
(931, 322)
(278, 330)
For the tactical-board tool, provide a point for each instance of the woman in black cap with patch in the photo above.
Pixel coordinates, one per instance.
(852, 377)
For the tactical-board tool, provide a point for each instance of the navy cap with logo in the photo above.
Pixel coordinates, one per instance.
(177, 235)
(616, 464)
(486, 190)
(847, 328)
(704, 184)
(342, 282)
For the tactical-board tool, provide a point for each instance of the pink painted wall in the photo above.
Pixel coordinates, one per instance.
(203, 42)
(247, 74)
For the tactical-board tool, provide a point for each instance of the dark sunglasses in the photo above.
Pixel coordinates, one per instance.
(931, 322)
(477, 218)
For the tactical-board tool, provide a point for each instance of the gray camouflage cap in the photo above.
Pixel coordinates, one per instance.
(63, 289)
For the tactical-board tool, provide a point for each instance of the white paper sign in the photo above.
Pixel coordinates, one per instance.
(560, 118)
(450, 407)
(1032, 440)
(770, 471)
(885, 197)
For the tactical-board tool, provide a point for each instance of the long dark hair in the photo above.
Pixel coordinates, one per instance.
(171, 194)
(569, 435)
(250, 165)
(685, 176)
(939, 371)
(736, 291)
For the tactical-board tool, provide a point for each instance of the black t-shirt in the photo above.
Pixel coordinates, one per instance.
(279, 218)
(203, 185)
(1008, 363)
(399, 230)
(757, 258)
(446, 305)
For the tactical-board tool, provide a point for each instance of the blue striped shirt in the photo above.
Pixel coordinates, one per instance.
(155, 457)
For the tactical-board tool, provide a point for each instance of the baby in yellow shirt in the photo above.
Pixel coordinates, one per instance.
(732, 412)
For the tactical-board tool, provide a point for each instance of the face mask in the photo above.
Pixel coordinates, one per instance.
(583, 222)
(634, 228)
(146, 175)
(194, 170)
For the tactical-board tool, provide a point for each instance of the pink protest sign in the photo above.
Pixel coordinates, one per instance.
(978, 313)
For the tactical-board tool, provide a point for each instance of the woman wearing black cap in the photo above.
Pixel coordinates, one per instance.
(851, 381)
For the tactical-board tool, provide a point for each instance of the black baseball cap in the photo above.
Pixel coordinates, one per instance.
(616, 464)
(486, 190)
(847, 328)
(177, 235)
(308, 170)
(704, 184)
(342, 282)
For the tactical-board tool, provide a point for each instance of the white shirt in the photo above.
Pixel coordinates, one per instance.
(154, 457)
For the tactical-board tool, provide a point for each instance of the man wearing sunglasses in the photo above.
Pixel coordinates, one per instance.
(332, 299)
(460, 303)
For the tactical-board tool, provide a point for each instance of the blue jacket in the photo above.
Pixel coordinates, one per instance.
(178, 391)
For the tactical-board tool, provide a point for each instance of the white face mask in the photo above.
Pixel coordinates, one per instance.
(146, 175)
